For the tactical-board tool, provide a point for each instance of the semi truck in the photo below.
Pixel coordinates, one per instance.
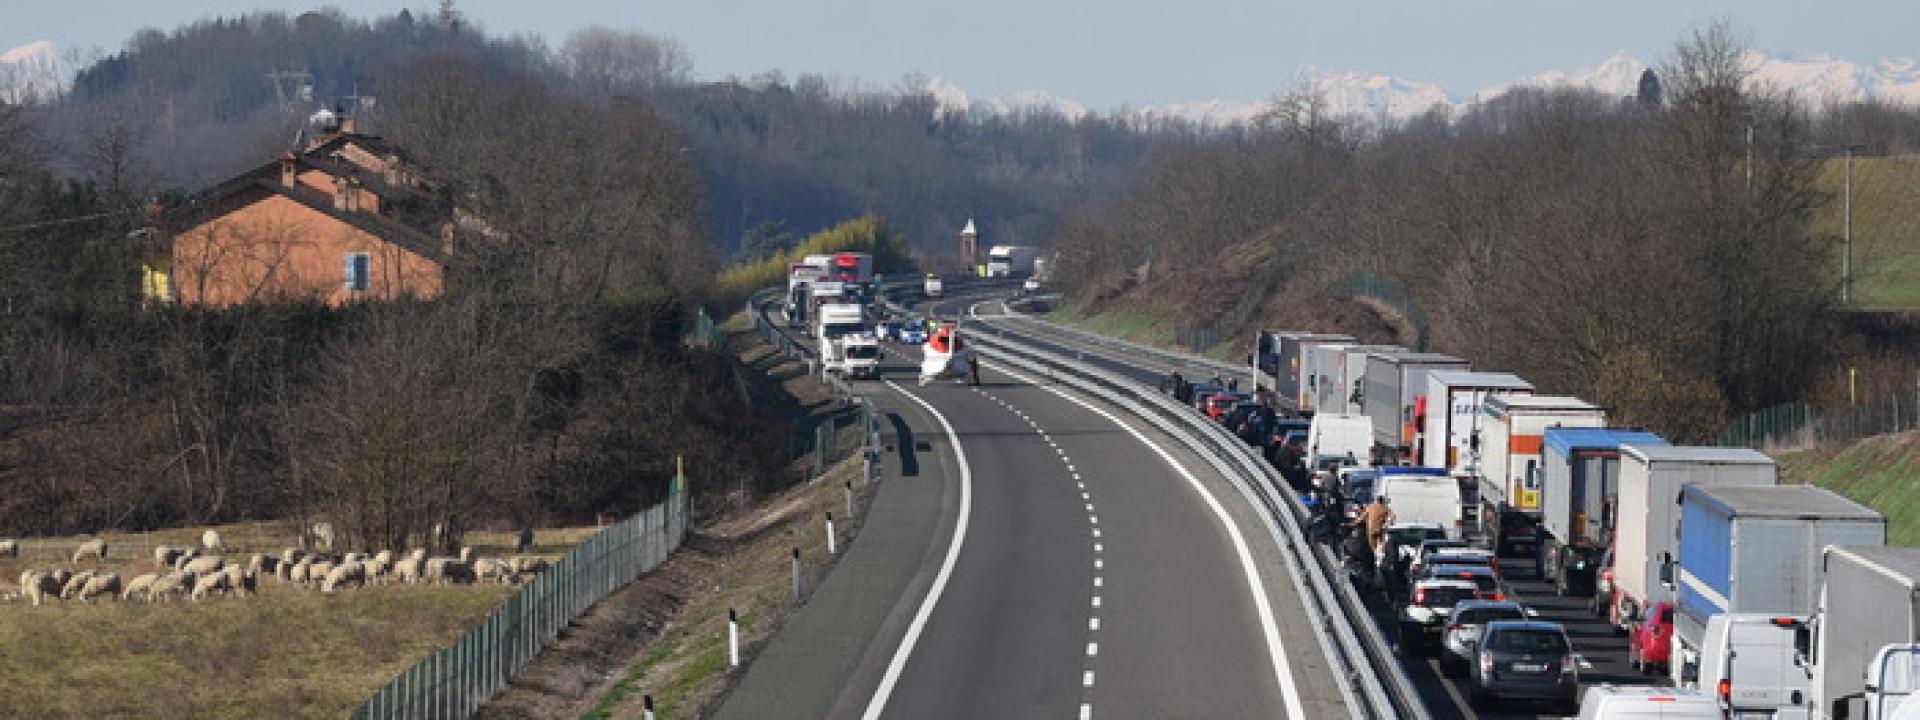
(1512, 434)
(1006, 261)
(1866, 625)
(1278, 367)
(1453, 414)
(1755, 550)
(1579, 493)
(834, 324)
(933, 286)
(1324, 372)
(1391, 392)
(853, 267)
(1644, 535)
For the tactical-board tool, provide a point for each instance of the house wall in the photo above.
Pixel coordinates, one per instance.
(266, 248)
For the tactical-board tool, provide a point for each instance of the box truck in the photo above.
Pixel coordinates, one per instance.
(1453, 413)
(1325, 376)
(1339, 437)
(1644, 539)
(1512, 435)
(1278, 367)
(1391, 392)
(1006, 261)
(1755, 551)
(1864, 632)
(1579, 492)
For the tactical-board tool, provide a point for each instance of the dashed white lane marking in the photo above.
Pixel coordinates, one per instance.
(1096, 601)
(899, 662)
(1095, 519)
(1099, 564)
(1099, 581)
(1086, 496)
(1086, 711)
(1093, 624)
(1097, 548)
(1093, 649)
(1089, 507)
(1070, 468)
(1263, 606)
(1086, 680)
(1096, 532)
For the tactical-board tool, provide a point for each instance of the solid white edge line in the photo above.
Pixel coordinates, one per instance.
(898, 664)
(1270, 629)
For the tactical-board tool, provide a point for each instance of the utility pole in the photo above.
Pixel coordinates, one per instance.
(1846, 261)
(1749, 159)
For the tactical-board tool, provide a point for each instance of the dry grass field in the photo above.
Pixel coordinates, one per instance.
(287, 652)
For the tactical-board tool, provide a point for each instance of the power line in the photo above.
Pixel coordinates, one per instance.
(62, 221)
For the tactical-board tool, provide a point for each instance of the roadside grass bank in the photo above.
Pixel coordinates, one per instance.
(1886, 227)
(1882, 472)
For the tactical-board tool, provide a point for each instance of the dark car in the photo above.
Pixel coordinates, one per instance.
(1525, 660)
(1462, 637)
(1197, 394)
(1485, 581)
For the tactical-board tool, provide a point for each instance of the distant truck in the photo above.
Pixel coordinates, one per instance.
(1579, 494)
(1393, 387)
(1279, 368)
(1756, 550)
(1644, 537)
(1863, 650)
(933, 286)
(1339, 437)
(835, 324)
(1453, 414)
(1512, 435)
(853, 267)
(1325, 386)
(1007, 261)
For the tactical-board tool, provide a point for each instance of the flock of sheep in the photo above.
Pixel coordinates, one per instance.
(203, 572)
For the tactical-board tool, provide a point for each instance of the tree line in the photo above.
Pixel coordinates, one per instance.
(1651, 253)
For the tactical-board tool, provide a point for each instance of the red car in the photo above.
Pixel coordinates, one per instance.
(1218, 405)
(1651, 642)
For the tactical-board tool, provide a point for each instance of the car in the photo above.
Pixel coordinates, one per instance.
(1456, 556)
(1462, 635)
(1411, 535)
(1429, 606)
(1485, 581)
(1525, 660)
(1219, 403)
(1641, 702)
(1438, 545)
(1031, 285)
(1199, 392)
(1650, 643)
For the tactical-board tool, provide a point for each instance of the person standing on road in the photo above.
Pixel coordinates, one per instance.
(1376, 518)
(973, 368)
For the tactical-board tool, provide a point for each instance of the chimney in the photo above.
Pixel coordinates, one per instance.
(347, 125)
(288, 177)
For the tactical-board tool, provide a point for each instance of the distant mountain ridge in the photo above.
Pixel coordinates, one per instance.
(1811, 77)
(33, 70)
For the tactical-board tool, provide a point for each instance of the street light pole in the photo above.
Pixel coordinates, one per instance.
(1846, 262)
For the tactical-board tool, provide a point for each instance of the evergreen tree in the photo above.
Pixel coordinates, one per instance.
(1649, 94)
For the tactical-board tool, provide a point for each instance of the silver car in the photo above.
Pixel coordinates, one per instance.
(1462, 635)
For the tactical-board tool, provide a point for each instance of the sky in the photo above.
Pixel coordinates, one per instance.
(1104, 53)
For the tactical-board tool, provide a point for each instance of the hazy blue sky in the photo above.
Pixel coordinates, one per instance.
(1102, 52)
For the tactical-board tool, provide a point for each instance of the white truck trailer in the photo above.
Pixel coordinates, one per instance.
(1279, 365)
(1644, 538)
(1392, 395)
(1579, 494)
(1324, 378)
(1512, 435)
(1864, 657)
(1454, 398)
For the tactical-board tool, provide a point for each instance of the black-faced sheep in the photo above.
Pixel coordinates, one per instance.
(10, 548)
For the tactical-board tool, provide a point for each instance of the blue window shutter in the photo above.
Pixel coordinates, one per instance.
(357, 271)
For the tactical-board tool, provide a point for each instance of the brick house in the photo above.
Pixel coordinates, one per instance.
(348, 218)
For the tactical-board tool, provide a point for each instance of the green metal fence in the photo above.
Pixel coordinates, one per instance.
(1801, 425)
(456, 680)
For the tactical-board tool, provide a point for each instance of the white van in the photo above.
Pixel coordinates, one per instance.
(1642, 702)
(1750, 662)
(1422, 495)
(1338, 436)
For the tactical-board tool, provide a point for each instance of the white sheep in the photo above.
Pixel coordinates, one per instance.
(301, 571)
(107, 584)
(164, 555)
(353, 557)
(446, 570)
(26, 577)
(10, 548)
(525, 564)
(210, 541)
(321, 536)
(73, 584)
(96, 547)
(171, 584)
(40, 585)
(235, 574)
(204, 565)
(292, 554)
(209, 584)
(351, 574)
(245, 583)
(377, 570)
(385, 556)
(408, 570)
(262, 563)
(318, 572)
(466, 554)
(186, 556)
(141, 585)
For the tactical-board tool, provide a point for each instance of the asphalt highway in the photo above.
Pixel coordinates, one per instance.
(1083, 568)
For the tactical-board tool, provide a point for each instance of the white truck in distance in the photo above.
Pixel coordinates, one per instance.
(1453, 413)
(1005, 261)
(933, 287)
(1336, 437)
(1645, 532)
(1512, 435)
(835, 323)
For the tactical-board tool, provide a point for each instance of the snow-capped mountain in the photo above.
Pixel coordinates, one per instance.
(33, 70)
(1813, 78)
(954, 100)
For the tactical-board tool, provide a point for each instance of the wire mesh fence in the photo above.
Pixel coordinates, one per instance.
(456, 680)
(1802, 425)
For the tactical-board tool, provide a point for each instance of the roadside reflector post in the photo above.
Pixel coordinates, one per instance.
(733, 638)
(830, 546)
(647, 701)
(849, 498)
(796, 574)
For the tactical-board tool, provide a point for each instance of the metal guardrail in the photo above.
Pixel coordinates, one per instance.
(1372, 678)
(1163, 356)
(456, 680)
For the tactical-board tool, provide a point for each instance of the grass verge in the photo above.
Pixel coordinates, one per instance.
(1882, 472)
